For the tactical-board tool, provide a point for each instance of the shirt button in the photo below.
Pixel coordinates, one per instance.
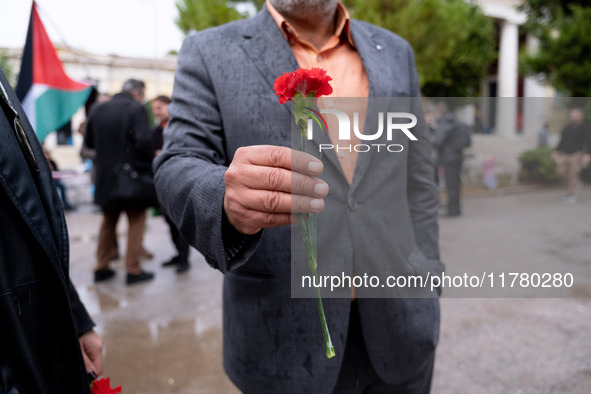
(319, 58)
(341, 153)
(291, 41)
(352, 204)
(379, 47)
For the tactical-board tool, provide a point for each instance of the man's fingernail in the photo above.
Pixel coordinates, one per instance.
(321, 189)
(315, 166)
(317, 204)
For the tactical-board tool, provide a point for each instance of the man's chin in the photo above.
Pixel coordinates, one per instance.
(304, 7)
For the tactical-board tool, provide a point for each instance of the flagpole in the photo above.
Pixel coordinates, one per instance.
(156, 60)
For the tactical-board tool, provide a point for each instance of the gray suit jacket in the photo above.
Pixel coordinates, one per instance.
(223, 99)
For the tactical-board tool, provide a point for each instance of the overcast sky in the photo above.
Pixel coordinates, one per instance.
(134, 28)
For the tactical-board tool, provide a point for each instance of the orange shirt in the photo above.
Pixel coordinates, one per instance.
(342, 62)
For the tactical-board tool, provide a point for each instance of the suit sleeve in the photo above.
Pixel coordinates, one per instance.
(189, 173)
(423, 197)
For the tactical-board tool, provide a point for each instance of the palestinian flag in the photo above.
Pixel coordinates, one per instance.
(48, 95)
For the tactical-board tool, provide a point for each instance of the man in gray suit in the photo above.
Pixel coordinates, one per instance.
(225, 178)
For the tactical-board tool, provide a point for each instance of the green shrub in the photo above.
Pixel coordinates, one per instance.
(538, 166)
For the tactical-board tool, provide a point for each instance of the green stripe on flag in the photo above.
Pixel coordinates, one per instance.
(54, 108)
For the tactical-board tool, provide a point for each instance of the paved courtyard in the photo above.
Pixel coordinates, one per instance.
(165, 336)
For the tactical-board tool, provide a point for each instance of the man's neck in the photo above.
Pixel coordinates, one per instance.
(316, 30)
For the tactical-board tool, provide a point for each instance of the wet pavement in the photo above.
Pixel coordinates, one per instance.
(165, 336)
(162, 336)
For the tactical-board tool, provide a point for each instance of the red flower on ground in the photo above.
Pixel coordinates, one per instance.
(304, 82)
(103, 386)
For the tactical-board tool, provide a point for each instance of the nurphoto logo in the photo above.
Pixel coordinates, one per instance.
(344, 129)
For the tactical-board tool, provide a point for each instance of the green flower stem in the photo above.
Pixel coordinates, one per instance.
(308, 230)
(327, 341)
(307, 220)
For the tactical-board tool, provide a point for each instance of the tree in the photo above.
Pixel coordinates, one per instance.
(258, 4)
(196, 15)
(538, 10)
(563, 57)
(454, 42)
(7, 67)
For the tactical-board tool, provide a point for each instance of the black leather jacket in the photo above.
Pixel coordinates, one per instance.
(41, 316)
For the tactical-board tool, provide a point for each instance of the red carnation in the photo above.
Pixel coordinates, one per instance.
(304, 82)
(103, 386)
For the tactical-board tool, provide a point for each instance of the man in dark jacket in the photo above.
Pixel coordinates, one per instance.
(43, 325)
(119, 131)
(570, 153)
(450, 144)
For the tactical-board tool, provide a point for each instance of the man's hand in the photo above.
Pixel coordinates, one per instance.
(266, 184)
(91, 345)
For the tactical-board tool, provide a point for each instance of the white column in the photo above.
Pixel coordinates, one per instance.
(508, 56)
(535, 104)
(506, 117)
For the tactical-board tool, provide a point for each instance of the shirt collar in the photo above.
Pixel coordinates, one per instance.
(343, 25)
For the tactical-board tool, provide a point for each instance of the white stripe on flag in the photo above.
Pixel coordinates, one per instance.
(29, 102)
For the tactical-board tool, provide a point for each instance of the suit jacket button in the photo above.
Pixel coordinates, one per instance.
(352, 204)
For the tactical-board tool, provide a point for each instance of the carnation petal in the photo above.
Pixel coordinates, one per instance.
(304, 81)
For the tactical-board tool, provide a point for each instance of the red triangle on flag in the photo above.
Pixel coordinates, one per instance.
(47, 68)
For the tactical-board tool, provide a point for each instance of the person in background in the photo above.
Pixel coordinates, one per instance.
(570, 153)
(431, 126)
(181, 260)
(47, 340)
(111, 126)
(450, 153)
(543, 136)
(89, 155)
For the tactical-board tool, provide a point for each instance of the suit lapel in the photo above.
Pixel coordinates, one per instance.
(373, 55)
(266, 47)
